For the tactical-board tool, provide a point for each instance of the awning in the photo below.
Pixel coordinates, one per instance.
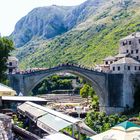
(47, 110)
(49, 120)
(6, 91)
(52, 122)
(32, 112)
(23, 98)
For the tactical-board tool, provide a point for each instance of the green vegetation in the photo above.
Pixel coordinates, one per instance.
(54, 82)
(95, 103)
(6, 46)
(98, 38)
(101, 122)
(17, 122)
(69, 131)
(86, 91)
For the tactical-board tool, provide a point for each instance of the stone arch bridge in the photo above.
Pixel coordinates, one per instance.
(115, 91)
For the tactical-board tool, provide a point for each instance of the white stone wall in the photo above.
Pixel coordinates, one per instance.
(14, 63)
(124, 68)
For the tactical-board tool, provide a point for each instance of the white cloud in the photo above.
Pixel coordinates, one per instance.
(12, 10)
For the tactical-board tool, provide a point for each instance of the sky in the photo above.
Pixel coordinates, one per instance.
(12, 10)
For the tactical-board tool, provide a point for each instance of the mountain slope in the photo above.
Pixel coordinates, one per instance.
(45, 22)
(88, 42)
(48, 22)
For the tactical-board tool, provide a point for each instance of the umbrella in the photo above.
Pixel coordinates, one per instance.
(5, 90)
(124, 131)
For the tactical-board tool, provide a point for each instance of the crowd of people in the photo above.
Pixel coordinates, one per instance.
(32, 70)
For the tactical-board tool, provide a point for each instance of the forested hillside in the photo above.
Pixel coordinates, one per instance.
(89, 39)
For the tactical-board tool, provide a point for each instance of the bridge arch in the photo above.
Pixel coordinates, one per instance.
(98, 89)
(28, 81)
(109, 87)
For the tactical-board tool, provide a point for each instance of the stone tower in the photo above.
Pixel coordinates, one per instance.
(12, 64)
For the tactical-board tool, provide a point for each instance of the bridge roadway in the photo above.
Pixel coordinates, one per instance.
(111, 88)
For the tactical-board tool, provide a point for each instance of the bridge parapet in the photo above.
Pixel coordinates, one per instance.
(61, 65)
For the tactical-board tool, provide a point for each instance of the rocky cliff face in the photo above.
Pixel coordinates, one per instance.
(45, 22)
(82, 12)
(48, 22)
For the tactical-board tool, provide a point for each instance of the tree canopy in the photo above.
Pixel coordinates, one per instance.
(86, 91)
(100, 121)
(6, 46)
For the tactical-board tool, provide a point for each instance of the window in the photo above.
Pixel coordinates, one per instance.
(139, 41)
(135, 68)
(106, 62)
(10, 70)
(124, 43)
(118, 68)
(128, 67)
(130, 42)
(139, 68)
(10, 63)
(137, 57)
(113, 68)
(131, 51)
(137, 51)
(127, 51)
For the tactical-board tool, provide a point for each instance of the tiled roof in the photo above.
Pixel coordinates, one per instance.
(121, 55)
(11, 58)
(109, 58)
(127, 60)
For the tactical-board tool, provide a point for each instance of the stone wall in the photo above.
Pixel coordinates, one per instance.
(115, 89)
(5, 127)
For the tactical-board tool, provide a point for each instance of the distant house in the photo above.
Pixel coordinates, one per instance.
(125, 65)
(128, 59)
(131, 45)
(12, 64)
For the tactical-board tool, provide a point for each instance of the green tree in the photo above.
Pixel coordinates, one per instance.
(6, 46)
(100, 122)
(91, 92)
(84, 91)
(95, 102)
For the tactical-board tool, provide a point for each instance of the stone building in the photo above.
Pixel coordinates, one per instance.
(12, 64)
(120, 56)
(131, 45)
(128, 59)
(109, 60)
(125, 65)
(106, 66)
